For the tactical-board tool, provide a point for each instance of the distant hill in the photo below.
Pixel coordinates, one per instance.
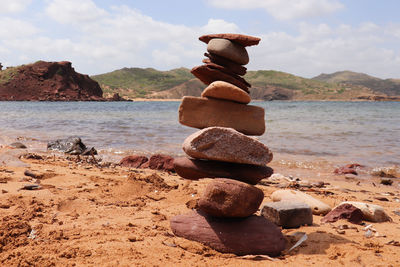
(47, 81)
(390, 87)
(138, 82)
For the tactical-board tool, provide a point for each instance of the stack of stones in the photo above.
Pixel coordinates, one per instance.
(224, 219)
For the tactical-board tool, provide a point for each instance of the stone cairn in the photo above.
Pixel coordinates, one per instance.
(224, 218)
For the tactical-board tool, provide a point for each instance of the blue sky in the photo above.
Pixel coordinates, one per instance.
(302, 37)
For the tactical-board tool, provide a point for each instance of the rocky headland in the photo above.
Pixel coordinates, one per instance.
(47, 81)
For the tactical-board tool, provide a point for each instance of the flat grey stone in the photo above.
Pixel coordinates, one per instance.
(288, 214)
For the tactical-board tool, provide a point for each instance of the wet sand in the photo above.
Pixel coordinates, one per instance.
(86, 215)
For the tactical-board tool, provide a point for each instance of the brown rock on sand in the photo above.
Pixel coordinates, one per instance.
(160, 162)
(252, 235)
(344, 211)
(244, 40)
(228, 145)
(133, 161)
(229, 50)
(230, 65)
(195, 169)
(208, 75)
(230, 198)
(226, 91)
(200, 112)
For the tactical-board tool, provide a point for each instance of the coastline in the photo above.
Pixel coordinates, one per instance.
(85, 214)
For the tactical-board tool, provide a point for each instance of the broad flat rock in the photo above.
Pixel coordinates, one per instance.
(228, 49)
(160, 162)
(252, 235)
(208, 75)
(244, 40)
(228, 145)
(230, 198)
(371, 212)
(288, 214)
(195, 169)
(201, 112)
(318, 207)
(226, 91)
(232, 66)
(344, 211)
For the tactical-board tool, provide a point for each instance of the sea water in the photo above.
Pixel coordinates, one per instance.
(341, 132)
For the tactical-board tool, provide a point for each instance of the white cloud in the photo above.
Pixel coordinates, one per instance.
(283, 9)
(74, 11)
(15, 28)
(13, 6)
(320, 48)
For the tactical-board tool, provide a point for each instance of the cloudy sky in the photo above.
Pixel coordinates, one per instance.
(302, 37)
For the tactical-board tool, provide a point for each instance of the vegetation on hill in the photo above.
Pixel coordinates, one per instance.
(390, 87)
(137, 82)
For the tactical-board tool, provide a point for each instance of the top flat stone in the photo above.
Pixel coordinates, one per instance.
(226, 91)
(244, 40)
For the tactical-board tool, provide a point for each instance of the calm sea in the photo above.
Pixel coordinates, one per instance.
(339, 132)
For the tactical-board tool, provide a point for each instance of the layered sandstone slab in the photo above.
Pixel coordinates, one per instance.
(207, 75)
(244, 40)
(232, 66)
(226, 91)
(229, 50)
(252, 235)
(195, 169)
(227, 145)
(230, 198)
(200, 112)
(288, 214)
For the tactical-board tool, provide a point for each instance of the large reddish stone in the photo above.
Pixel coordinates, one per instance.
(244, 40)
(230, 198)
(228, 145)
(160, 162)
(252, 235)
(201, 112)
(208, 75)
(344, 211)
(133, 161)
(226, 91)
(234, 67)
(195, 169)
(228, 49)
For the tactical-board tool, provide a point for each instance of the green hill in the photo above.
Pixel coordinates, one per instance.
(266, 85)
(389, 87)
(137, 82)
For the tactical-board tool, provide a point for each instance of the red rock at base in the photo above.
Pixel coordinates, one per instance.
(252, 235)
(234, 67)
(208, 75)
(344, 211)
(160, 162)
(230, 198)
(348, 169)
(195, 169)
(244, 40)
(133, 161)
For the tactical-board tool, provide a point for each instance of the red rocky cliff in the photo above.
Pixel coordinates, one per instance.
(48, 81)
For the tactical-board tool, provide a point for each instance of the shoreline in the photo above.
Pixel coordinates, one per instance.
(90, 215)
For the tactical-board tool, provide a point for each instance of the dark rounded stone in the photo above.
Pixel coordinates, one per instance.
(230, 198)
(17, 145)
(252, 235)
(194, 169)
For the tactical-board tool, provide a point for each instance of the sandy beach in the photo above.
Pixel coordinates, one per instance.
(85, 214)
